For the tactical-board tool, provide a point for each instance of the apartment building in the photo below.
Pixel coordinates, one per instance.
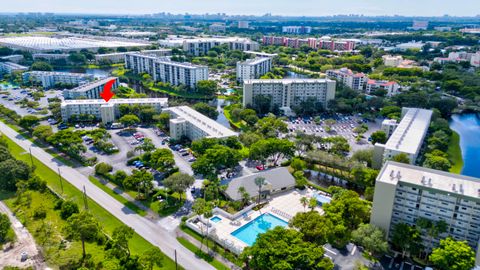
(404, 193)
(297, 29)
(323, 43)
(163, 69)
(50, 56)
(407, 137)
(356, 81)
(50, 79)
(217, 28)
(10, 67)
(253, 68)
(90, 90)
(392, 88)
(475, 60)
(15, 58)
(392, 60)
(107, 112)
(119, 57)
(243, 24)
(187, 122)
(201, 46)
(287, 93)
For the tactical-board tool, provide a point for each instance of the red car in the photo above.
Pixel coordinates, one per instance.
(260, 167)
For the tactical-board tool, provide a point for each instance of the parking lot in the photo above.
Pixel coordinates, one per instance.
(10, 97)
(344, 126)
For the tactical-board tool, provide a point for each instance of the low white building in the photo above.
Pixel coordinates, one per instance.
(392, 60)
(217, 27)
(50, 56)
(287, 93)
(187, 122)
(50, 79)
(392, 88)
(407, 138)
(90, 90)
(107, 112)
(389, 126)
(10, 67)
(253, 68)
(15, 58)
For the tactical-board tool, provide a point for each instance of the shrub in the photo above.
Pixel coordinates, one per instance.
(40, 213)
(103, 168)
(68, 208)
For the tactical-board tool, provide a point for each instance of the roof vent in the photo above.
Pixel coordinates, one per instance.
(453, 187)
(392, 174)
(429, 181)
(423, 180)
(461, 188)
(398, 175)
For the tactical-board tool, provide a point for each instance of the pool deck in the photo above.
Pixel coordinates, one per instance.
(284, 206)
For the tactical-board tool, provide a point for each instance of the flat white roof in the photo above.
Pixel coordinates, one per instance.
(255, 61)
(409, 134)
(287, 81)
(13, 65)
(65, 43)
(93, 84)
(394, 172)
(204, 123)
(168, 61)
(51, 73)
(163, 101)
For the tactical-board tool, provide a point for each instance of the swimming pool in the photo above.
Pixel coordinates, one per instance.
(215, 219)
(322, 199)
(248, 233)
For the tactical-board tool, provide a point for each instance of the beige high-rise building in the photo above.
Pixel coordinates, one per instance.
(404, 193)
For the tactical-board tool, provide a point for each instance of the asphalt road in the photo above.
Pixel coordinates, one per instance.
(152, 232)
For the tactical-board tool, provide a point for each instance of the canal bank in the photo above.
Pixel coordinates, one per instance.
(467, 126)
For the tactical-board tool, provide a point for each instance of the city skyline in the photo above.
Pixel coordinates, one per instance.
(251, 7)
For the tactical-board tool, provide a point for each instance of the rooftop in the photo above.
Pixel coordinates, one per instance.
(90, 85)
(39, 43)
(13, 65)
(275, 179)
(409, 134)
(167, 60)
(203, 122)
(52, 73)
(394, 172)
(256, 60)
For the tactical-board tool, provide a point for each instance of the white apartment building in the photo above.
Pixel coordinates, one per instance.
(201, 46)
(217, 27)
(392, 88)
(50, 56)
(407, 137)
(164, 70)
(119, 57)
(297, 29)
(404, 193)
(15, 58)
(107, 112)
(90, 90)
(389, 126)
(243, 24)
(356, 81)
(286, 93)
(187, 122)
(253, 68)
(10, 67)
(392, 60)
(50, 79)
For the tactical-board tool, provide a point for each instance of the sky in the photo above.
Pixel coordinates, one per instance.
(251, 7)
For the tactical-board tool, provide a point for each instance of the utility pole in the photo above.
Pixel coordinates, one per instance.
(60, 178)
(85, 198)
(31, 157)
(176, 264)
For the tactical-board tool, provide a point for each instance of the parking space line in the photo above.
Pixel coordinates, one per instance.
(353, 250)
(330, 251)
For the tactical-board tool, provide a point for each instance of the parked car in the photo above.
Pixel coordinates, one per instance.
(260, 167)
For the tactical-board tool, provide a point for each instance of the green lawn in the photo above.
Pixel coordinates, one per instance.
(201, 254)
(230, 256)
(138, 244)
(237, 124)
(455, 153)
(118, 197)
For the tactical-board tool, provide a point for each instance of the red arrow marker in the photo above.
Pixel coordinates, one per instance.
(107, 93)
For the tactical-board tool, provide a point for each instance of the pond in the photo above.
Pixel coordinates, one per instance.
(468, 127)
(221, 119)
(295, 75)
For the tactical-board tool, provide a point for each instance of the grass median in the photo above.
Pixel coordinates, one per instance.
(455, 153)
(204, 256)
(138, 244)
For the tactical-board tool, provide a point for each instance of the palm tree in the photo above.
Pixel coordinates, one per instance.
(244, 194)
(312, 203)
(259, 181)
(304, 202)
